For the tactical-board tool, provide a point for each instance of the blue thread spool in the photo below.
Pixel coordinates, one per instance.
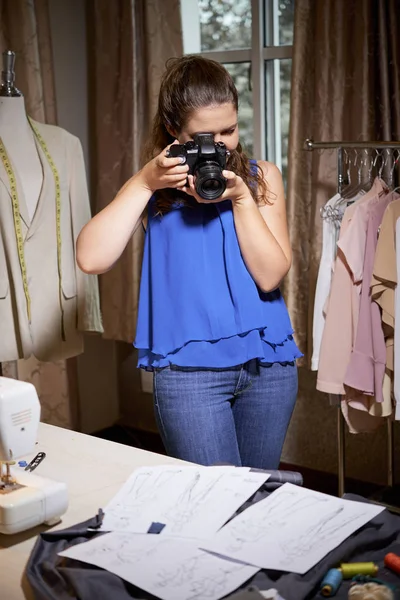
(331, 582)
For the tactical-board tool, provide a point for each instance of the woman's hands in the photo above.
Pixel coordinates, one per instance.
(164, 172)
(236, 189)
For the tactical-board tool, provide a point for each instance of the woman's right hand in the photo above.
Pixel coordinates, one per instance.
(164, 172)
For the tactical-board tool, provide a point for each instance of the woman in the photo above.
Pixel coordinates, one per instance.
(212, 325)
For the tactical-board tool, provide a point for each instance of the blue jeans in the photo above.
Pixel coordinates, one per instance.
(238, 416)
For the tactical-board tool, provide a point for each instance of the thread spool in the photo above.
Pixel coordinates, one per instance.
(331, 583)
(392, 561)
(350, 570)
(370, 591)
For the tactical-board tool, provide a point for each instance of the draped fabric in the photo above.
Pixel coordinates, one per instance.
(25, 29)
(345, 86)
(129, 45)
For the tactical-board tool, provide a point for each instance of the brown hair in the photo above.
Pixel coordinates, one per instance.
(189, 83)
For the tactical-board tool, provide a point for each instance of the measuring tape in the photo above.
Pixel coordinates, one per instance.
(17, 221)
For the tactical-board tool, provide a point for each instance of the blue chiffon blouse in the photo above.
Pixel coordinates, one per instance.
(199, 306)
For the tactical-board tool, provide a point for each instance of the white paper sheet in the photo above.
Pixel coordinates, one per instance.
(291, 530)
(170, 568)
(190, 501)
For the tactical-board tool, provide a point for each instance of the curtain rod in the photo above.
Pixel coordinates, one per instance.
(311, 145)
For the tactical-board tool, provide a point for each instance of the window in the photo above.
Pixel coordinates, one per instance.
(253, 39)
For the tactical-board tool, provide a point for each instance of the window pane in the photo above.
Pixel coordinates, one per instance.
(285, 79)
(217, 25)
(286, 20)
(279, 21)
(240, 73)
(278, 76)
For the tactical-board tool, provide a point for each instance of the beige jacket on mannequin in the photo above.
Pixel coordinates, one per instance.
(80, 295)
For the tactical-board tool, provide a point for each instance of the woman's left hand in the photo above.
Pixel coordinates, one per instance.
(236, 189)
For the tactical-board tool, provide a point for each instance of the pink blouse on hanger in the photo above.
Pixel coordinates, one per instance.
(367, 363)
(344, 301)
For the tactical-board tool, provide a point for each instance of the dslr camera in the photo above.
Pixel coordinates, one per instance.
(206, 161)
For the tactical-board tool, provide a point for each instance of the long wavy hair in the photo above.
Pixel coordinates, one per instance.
(188, 84)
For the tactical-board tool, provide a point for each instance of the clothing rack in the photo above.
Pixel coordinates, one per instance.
(341, 147)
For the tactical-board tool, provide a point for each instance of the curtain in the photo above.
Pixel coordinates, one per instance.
(25, 29)
(130, 41)
(345, 86)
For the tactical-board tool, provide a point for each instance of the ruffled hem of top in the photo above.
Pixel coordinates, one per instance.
(224, 353)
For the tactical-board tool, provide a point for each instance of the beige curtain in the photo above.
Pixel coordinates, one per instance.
(25, 29)
(130, 43)
(345, 86)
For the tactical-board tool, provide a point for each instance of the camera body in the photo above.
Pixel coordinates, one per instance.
(206, 160)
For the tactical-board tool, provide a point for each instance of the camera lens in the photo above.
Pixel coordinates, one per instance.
(210, 184)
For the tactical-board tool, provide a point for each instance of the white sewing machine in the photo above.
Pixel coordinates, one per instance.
(26, 500)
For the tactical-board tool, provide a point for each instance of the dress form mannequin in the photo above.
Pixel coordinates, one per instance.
(18, 137)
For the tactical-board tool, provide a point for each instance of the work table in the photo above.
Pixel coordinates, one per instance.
(93, 469)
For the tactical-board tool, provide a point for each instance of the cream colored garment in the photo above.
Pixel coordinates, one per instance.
(366, 415)
(396, 382)
(325, 272)
(384, 278)
(80, 296)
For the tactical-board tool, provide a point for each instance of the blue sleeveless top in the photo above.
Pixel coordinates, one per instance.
(198, 304)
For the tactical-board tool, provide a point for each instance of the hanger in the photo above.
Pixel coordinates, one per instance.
(383, 164)
(395, 163)
(365, 184)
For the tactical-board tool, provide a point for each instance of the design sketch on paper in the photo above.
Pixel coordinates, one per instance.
(281, 508)
(144, 488)
(190, 502)
(301, 524)
(191, 573)
(162, 566)
(117, 552)
(325, 530)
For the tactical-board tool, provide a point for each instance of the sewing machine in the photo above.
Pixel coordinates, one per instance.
(26, 500)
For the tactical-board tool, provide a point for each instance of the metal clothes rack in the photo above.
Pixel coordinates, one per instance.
(341, 148)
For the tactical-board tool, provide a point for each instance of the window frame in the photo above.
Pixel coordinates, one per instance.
(265, 76)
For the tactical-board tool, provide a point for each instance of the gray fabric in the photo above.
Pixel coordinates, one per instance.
(277, 478)
(56, 578)
(370, 543)
(248, 594)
